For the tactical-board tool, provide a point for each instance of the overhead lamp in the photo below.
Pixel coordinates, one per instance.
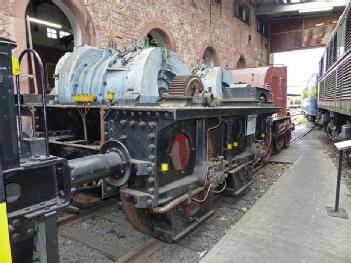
(320, 24)
(316, 9)
(43, 22)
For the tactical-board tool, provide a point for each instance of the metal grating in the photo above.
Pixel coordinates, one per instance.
(346, 79)
(322, 90)
(332, 85)
(338, 91)
(348, 31)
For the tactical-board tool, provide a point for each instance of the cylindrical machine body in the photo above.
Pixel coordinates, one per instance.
(8, 127)
(214, 79)
(94, 167)
(134, 74)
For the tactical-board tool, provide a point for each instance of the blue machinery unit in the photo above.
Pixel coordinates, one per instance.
(135, 73)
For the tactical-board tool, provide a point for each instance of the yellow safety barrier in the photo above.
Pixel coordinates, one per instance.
(5, 248)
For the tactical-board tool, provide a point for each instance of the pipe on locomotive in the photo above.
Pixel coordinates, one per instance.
(94, 167)
(112, 164)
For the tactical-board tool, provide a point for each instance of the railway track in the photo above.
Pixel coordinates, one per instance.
(67, 223)
(299, 133)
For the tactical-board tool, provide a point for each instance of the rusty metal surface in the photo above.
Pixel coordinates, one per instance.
(133, 217)
(185, 86)
(273, 78)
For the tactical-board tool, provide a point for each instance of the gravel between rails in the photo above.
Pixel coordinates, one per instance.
(106, 235)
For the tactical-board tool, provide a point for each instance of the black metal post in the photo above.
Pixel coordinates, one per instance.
(337, 211)
(19, 113)
(338, 181)
(47, 243)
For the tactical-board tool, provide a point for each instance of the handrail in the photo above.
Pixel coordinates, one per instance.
(43, 96)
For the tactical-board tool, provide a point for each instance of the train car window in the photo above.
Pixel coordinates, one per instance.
(341, 39)
(334, 48)
(321, 66)
(348, 31)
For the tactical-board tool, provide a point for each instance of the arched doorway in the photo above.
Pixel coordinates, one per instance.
(158, 38)
(75, 11)
(155, 39)
(51, 34)
(210, 57)
(241, 63)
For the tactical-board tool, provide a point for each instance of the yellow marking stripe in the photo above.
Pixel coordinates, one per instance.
(5, 248)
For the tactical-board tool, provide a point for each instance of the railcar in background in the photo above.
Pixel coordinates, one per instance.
(334, 84)
(309, 106)
(274, 80)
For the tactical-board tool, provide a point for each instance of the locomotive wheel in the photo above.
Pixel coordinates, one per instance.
(287, 139)
(279, 144)
(268, 148)
(137, 217)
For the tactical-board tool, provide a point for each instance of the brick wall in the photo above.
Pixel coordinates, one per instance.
(192, 25)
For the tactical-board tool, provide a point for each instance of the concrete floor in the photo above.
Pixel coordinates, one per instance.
(289, 223)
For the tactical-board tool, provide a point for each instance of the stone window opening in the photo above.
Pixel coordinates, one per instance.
(51, 33)
(242, 12)
(241, 63)
(209, 57)
(158, 38)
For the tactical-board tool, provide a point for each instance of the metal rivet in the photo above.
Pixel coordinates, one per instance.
(151, 147)
(16, 222)
(15, 237)
(151, 136)
(150, 180)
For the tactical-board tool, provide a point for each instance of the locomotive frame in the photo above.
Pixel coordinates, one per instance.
(148, 133)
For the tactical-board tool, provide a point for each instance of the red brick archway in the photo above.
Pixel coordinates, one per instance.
(77, 8)
(212, 50)
(163, 30)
